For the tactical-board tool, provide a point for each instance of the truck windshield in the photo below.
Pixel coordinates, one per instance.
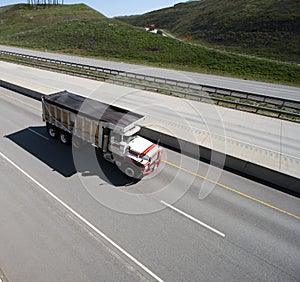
(146, 158)
(128, 139)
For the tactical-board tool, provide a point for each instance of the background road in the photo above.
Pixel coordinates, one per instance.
(269, 142)
(267, 89)
(255, 235)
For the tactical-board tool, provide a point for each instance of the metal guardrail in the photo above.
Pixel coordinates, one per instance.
(201, 92)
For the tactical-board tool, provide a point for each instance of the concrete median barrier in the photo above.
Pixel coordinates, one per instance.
(22, 90)
(245, 168)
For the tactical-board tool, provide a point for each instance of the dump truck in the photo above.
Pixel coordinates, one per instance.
(78, 120)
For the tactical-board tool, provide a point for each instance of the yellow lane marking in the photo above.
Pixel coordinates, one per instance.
(20, 101)
(232, 190)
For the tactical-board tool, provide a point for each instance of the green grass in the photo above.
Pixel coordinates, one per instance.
(268, 28)
(77, 29)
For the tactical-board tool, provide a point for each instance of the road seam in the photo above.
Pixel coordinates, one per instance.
(85, 221)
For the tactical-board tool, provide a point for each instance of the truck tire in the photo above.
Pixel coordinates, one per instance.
(132, 172)
(64, 137)
(52, 131)
(118, 161)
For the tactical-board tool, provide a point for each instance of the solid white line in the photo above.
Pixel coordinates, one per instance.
(91, 226)
(38, 134)
(194, 219)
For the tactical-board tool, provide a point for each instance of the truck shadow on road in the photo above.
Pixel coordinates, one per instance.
(60, 157)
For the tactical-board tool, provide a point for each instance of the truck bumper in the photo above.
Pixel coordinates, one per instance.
(153, 166)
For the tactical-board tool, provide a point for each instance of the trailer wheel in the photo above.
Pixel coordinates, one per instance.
(132, 172)
(118, 161)
(52, 131)
(64, 137)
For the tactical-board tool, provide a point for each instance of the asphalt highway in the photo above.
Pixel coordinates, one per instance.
(68, 215)
(267, 89)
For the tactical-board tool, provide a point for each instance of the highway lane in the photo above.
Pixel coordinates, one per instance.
(40, 241)
(260, 243)
(268, 89)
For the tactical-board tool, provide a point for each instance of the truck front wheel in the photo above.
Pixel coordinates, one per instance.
(132, 172)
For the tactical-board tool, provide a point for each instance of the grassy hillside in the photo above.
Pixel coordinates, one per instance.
(269, 28)
(77, 29)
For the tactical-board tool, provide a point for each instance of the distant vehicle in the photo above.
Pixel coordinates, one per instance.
(76, 119)
(152, 28)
